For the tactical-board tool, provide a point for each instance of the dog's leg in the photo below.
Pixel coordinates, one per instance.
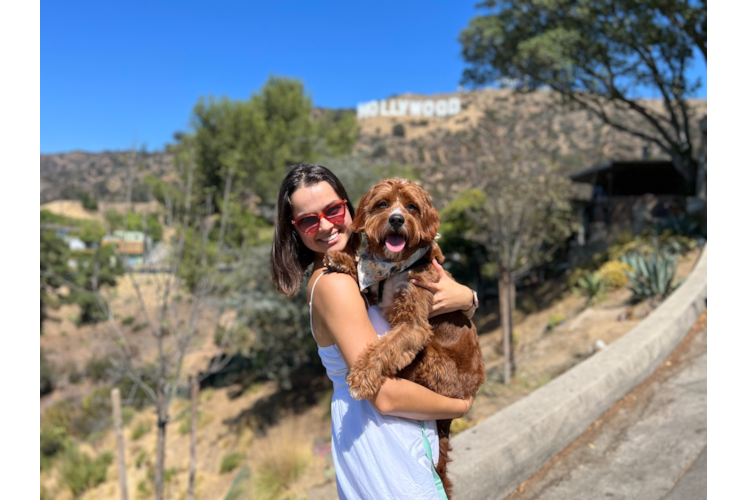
(409, 334)
(386, 357)
(442, 430)
(340, 262)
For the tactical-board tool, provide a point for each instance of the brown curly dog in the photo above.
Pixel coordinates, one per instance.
(441, 353)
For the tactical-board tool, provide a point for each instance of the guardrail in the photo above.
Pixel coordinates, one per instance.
(493, 458)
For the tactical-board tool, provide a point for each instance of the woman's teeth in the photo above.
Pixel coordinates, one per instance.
(331, 237)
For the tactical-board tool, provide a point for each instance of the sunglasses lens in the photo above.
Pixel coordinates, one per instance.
(335, 213)
(308, 224)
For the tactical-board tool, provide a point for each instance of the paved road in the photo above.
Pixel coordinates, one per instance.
(650, 445)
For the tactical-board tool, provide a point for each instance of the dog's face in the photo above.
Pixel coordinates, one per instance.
(398, 218)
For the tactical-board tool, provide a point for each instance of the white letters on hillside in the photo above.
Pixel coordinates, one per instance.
(406, 107)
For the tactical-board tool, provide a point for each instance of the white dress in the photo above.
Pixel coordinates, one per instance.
(376, 456)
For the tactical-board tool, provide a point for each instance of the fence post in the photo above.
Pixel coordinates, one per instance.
(117, 414)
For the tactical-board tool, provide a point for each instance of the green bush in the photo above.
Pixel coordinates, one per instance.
(140, 459)
(80, 472)
(46, 375)
(139, 431)
(98, 368)
(555, 320)
(652, 276)
(231, 462)
(592, 286)
(128, 321)
(52, 441)
(74, 376)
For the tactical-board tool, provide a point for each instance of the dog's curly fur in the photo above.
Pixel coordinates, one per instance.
(441, 353)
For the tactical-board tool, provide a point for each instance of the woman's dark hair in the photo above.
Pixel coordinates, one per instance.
(289, 257)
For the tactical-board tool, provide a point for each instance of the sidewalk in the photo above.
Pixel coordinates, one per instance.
(649, 445)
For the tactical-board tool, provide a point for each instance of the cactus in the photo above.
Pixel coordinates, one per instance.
(653, 275)
(591, 286)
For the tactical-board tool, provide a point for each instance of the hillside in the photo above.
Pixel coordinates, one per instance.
(577, 138)
(581, 138)
(104, 175)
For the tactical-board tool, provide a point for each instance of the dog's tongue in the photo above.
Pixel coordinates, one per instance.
(395, 243)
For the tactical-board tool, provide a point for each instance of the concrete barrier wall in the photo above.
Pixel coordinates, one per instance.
(493, 458)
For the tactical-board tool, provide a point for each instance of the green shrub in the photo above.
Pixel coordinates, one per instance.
(127, 414)
(52, 441)
(143, 489)
(80, 472)
(652, 276)
(138, 326)
(613, 273)
(230, 462)
(98, 369)
(46, 375)
(140, 459)
(139, 431)
(592, 286)
(555, 320)
(128, 321)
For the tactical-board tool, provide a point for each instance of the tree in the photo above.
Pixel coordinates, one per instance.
(53, 257)
(93, 271)
(598, 55)
(172, 321)
(248, 145)
(516, 211)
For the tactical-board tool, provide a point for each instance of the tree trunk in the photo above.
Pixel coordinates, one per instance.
(193, 440)
(506, 324)
(512, 307)
(160, 443)
(117, 417)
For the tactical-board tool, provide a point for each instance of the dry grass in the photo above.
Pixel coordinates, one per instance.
(281, 457)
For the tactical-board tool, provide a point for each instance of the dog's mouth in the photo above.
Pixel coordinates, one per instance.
(395, 243)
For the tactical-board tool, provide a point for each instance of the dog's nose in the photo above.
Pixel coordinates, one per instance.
(397, 220)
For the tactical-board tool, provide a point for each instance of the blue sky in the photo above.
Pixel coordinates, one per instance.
(117, 72)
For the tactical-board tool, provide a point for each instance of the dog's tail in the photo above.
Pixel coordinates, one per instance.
(442, 431)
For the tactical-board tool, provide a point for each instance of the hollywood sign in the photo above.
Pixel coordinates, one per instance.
(408, 107)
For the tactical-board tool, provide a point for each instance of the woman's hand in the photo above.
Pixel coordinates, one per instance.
(448, 294)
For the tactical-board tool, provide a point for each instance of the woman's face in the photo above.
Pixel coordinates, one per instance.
(314, 200)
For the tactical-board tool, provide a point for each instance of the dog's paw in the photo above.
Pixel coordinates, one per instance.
(362, 387)
(340, 262)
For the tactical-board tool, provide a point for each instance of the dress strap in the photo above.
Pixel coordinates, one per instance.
(311, 297)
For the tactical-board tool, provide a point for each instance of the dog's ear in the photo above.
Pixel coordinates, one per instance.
(359, 221)
(429, 221)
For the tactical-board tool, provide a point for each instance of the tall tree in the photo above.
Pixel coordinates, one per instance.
(249, 144)
(516, 212)
(53, 257)
(599, 55)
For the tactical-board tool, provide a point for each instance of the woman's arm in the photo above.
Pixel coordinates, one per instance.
(340, 307)
(402, 398)
(448, 294)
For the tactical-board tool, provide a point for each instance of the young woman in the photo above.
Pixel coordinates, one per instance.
(378, 445)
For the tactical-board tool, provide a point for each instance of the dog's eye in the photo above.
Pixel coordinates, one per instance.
(383, 204)
(412, 206)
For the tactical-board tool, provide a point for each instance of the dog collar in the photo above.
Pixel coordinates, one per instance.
(373, 269)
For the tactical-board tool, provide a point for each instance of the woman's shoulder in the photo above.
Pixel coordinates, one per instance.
(328, 283)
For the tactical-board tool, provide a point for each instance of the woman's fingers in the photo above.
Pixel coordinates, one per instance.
(439, 269)
(433, 287)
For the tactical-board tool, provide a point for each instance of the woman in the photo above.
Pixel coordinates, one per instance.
(378, 445)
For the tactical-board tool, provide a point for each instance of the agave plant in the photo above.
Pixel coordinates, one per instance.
(592, 286)
(653, 275)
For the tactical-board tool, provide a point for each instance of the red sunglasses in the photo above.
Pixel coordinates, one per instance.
(309, 224)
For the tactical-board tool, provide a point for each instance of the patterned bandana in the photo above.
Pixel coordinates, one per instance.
(373, 269)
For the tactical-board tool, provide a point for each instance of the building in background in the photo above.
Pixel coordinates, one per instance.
(133, 246)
